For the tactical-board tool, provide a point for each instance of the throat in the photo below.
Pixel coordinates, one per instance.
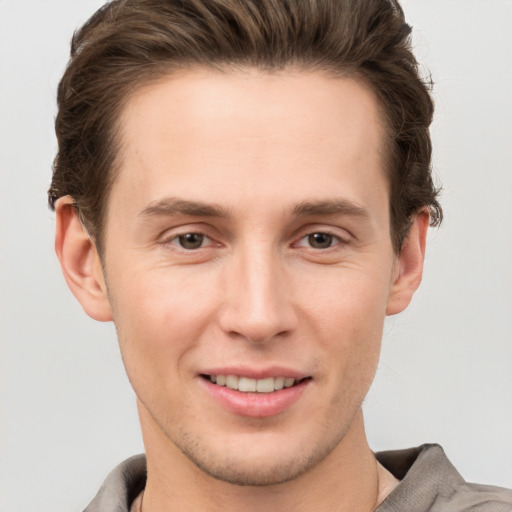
(137, 503)
(387, 483)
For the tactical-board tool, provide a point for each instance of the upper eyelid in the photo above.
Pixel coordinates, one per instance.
(185, 229)
(340, 239)
(172, 243)
(174, 236)
(173, 233)
(341, 233)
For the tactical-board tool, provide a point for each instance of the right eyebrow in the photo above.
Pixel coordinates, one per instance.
(174, 206)
(331, 207)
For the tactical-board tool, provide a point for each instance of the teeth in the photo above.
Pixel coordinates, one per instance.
(279, 383)
(247, 385)
(231, 382)
(264, 385)
(288, 383)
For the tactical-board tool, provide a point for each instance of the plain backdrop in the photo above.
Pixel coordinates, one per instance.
(67, 411)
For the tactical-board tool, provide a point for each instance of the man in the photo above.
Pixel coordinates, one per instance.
(244, 188)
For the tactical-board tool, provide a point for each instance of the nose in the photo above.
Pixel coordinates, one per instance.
(258, 305)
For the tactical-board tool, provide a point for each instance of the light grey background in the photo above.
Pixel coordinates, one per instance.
(67, 411)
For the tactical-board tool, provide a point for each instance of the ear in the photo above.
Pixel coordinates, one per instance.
(80, 262)
(409, 265)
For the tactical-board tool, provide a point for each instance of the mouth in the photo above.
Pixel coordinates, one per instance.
(255, 394)
(249, 385)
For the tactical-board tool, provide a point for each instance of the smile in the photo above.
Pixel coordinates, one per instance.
(248, 385)
(249, 396)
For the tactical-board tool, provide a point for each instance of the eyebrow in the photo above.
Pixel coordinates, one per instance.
(331, 207)
(174, 206)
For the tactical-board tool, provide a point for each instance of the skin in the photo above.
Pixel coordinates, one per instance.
(235, 158)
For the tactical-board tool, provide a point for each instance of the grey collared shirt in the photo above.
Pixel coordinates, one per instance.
(428, 483)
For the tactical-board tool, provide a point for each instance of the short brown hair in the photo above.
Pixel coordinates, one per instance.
(128, 43)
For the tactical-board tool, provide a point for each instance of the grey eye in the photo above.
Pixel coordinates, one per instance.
(191, 241)
(320, 240)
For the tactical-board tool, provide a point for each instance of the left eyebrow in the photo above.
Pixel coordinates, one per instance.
(331, 207)
(174, 206)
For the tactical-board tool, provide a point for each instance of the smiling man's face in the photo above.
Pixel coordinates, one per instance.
(248, 245)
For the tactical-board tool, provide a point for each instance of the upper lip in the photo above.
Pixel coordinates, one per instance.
(256, 373)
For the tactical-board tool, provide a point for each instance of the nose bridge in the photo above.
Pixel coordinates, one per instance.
(258, 304)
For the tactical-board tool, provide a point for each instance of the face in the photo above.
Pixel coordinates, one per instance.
(248, 246)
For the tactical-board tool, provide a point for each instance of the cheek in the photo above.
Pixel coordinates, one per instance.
(351, 301)
(347, 315)
(158, 318)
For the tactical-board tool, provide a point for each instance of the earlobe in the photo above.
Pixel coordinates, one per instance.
(80, 262)
(409, 269)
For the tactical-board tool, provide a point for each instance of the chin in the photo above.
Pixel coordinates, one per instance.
(258, 463)
(247, 473)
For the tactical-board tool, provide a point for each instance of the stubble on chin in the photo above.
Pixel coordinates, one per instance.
(234, 468)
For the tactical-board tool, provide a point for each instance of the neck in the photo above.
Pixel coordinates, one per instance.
(348, 479)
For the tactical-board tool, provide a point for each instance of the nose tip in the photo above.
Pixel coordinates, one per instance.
(258, 306)
(258, 318)
(260, 327)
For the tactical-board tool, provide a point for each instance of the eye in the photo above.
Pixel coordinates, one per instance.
(190, 241)
(319, 240)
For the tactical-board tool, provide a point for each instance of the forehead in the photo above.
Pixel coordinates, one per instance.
(251, 134)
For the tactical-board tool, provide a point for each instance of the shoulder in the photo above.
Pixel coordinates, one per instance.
(483, 498)
(430, 483)
(121, 486)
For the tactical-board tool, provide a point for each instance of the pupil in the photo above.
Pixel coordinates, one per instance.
(191, 241)
(320, 240)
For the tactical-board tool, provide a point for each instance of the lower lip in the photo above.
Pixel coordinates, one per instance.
(256, 405)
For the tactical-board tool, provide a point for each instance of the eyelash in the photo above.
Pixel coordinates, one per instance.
(176, 239)
(335, 239)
